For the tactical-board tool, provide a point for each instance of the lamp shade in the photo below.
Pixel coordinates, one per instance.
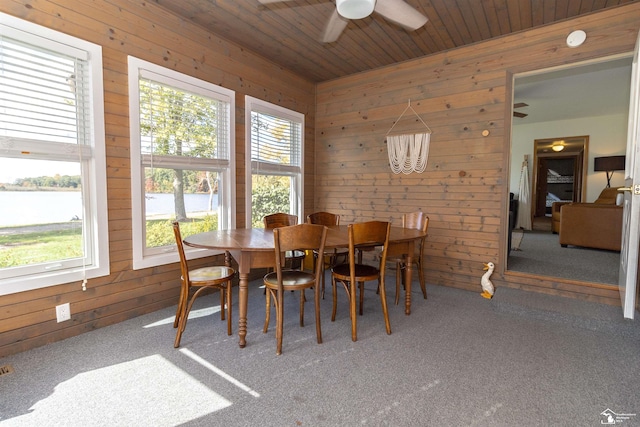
(607, 164)
(355, 9)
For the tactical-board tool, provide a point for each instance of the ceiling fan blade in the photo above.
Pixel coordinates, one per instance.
(520, 115)
(520, 105)
(334, 28)
(401, 13)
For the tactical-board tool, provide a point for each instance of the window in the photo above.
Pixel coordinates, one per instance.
(53, 208)
(275, 167)
(182, 164)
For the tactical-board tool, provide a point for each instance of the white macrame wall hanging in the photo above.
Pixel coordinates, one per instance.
(408, 152)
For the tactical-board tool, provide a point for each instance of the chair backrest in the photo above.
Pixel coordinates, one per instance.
(607, 196)
(323, 218)
(299, 237)
(416, 220)
(368, 234)
(279, 219)
(184, 267)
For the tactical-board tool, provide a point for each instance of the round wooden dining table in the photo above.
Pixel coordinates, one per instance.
(254, 248)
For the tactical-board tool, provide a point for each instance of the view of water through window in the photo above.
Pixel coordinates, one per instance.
(45, 207)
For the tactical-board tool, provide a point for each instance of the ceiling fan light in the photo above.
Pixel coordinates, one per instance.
(355, 9)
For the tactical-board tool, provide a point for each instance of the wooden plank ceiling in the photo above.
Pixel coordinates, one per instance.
(289, 32)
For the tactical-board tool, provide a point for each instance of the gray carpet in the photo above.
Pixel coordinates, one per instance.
(540, 253)
(520, 359)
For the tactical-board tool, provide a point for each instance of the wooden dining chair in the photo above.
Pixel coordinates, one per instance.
(365, 234)
(199, 280)
(302, 236)
(281, 219)
(330, 256)
(418, 221)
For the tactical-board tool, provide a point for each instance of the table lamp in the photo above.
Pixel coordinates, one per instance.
(609, 165)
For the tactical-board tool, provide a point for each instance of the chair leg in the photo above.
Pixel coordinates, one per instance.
(334, 288)
(302, 300)
(279, 321)
(267, 312)
(324, 269)
(316, 295)
(398, 280)
(222, 308)
(181, 304)
(315, 263)
(176, 320)
(362, 297)
(385, 312)
(333, 260)
(182, 323)
(422, 282)
(184, 316)
(229, 298)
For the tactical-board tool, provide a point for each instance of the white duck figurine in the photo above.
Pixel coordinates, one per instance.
(487, 286)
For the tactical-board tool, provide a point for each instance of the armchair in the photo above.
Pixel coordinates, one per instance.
(592, 225)
(555, 216)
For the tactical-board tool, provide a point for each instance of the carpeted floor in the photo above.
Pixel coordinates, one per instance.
(519, 359)
(539, 252)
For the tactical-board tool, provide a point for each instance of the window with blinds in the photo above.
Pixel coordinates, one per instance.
(275, 167)
(44, 93)
(181, 159)
(275, 143)
(52, 166)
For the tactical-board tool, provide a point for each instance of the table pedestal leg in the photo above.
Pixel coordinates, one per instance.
(242, 308)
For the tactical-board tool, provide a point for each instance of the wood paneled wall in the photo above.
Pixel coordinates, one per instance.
(145, 30)
(459, 94)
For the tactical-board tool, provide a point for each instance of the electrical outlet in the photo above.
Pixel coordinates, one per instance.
(63, 312)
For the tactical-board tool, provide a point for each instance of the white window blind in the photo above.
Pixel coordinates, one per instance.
(45, 94)
(275, 141)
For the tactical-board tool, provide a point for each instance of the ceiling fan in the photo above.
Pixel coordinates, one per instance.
(517, 113)
(396, 11)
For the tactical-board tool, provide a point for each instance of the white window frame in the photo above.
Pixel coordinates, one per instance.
(143, 257)
(91, 157)
(258, 105)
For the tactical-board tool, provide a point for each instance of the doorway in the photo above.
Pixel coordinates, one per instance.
(556, 182)
(559, 175)
(558, 102)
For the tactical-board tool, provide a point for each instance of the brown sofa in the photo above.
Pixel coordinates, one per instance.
(592, 225)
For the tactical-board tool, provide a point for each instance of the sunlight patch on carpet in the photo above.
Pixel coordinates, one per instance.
(112, 395)
(219, 372)
(208, 311)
